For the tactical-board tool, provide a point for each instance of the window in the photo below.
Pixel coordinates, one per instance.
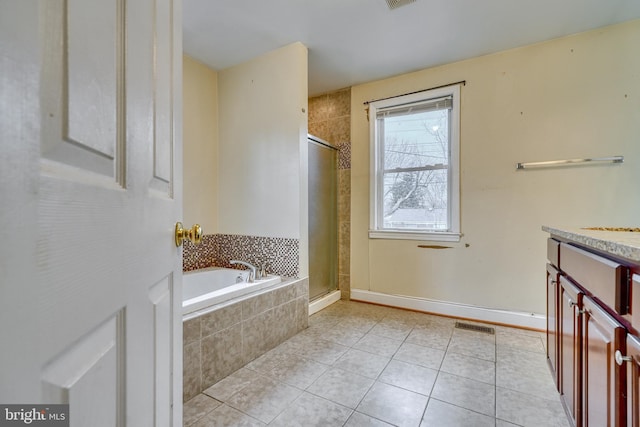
(415, 183)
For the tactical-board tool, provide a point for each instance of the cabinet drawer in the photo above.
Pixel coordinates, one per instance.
(604, 279)
(553, 252)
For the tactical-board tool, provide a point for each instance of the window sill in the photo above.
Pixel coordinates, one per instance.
(444, 236)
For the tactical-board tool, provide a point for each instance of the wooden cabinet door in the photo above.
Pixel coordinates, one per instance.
(604, 402)
(552, 321)
(569, 361)
(633, 381)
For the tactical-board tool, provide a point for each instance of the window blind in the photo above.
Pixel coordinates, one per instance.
(445, 103)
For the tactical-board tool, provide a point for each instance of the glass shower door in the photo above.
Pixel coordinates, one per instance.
(323, 218)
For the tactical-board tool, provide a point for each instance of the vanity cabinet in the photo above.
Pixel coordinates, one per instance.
(604, 383)
(553, 276)
(553, 313)
(633, 380)
(633, 359)
(570, 350)
(589, 312)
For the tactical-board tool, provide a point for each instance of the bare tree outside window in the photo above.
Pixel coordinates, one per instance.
(416, 161)
(415, 158)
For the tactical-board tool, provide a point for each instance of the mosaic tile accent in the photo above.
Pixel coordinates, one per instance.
(344, 155)
(280, 256)
(200, 256)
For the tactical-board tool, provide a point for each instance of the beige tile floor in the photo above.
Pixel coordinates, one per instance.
(364, 365)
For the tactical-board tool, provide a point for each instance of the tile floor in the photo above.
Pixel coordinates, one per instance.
(364, 365)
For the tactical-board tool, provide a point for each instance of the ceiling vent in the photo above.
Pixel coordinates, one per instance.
(394, 4)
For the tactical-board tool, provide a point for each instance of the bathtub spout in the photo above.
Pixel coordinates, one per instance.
(252, 269)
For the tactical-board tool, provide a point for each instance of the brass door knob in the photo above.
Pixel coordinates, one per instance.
(194, 234)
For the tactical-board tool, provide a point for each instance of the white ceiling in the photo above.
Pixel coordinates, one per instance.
(355, 41)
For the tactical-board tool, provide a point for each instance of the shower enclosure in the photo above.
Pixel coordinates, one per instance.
(323, 218)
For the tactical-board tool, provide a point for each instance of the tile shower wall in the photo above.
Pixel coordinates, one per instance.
(279, 255)
(222, 341)
(330, 119)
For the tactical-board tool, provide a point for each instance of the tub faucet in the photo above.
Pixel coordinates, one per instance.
(252, 269)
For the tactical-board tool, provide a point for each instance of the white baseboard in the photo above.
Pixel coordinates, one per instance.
(324, 302)
(513, 318)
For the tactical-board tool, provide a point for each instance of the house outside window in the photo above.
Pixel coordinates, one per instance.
(415, 176)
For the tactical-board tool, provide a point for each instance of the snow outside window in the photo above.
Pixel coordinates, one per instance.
(415, 190)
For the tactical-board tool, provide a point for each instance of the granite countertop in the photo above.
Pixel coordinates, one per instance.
(625, 244)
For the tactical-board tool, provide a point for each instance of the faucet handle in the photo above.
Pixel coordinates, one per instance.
(263, 271)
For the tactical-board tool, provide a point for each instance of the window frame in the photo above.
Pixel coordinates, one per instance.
(376, 169)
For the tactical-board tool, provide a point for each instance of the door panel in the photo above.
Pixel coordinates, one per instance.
(570, 349)
(96, 359)
(82, 94)
(163, 144)
(552, 321)
(161, 296)
(633, 381)
(603, 392)
(635, 302)
(94, 31)
(98, 131)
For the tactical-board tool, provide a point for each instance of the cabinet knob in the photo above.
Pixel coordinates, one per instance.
(620, 359)
(578, 311)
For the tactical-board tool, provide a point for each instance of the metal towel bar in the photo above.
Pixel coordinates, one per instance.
(612, 159)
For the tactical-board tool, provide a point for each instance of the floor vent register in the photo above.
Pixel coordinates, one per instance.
(477, 328)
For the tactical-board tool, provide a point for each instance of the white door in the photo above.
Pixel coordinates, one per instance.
(90, 190)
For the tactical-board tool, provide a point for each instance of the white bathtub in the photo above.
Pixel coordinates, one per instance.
(214, 285)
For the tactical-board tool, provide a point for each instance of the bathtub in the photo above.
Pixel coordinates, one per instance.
(227, 324)
(214, 285)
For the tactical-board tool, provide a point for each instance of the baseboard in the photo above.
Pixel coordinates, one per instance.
(504, 317)
(324, 302)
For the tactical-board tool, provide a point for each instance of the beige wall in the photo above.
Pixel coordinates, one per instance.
(263, 147)
(573, 97)
(200, 145)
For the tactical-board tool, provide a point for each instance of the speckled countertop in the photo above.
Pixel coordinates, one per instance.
(623, 244)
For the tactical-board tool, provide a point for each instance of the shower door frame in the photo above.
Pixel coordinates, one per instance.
(323, 227)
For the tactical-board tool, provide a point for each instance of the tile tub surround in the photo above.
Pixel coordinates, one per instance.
(364, 365)
(280, 255)
(230, 335)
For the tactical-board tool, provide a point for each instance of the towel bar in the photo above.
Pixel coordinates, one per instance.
(613, 159)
